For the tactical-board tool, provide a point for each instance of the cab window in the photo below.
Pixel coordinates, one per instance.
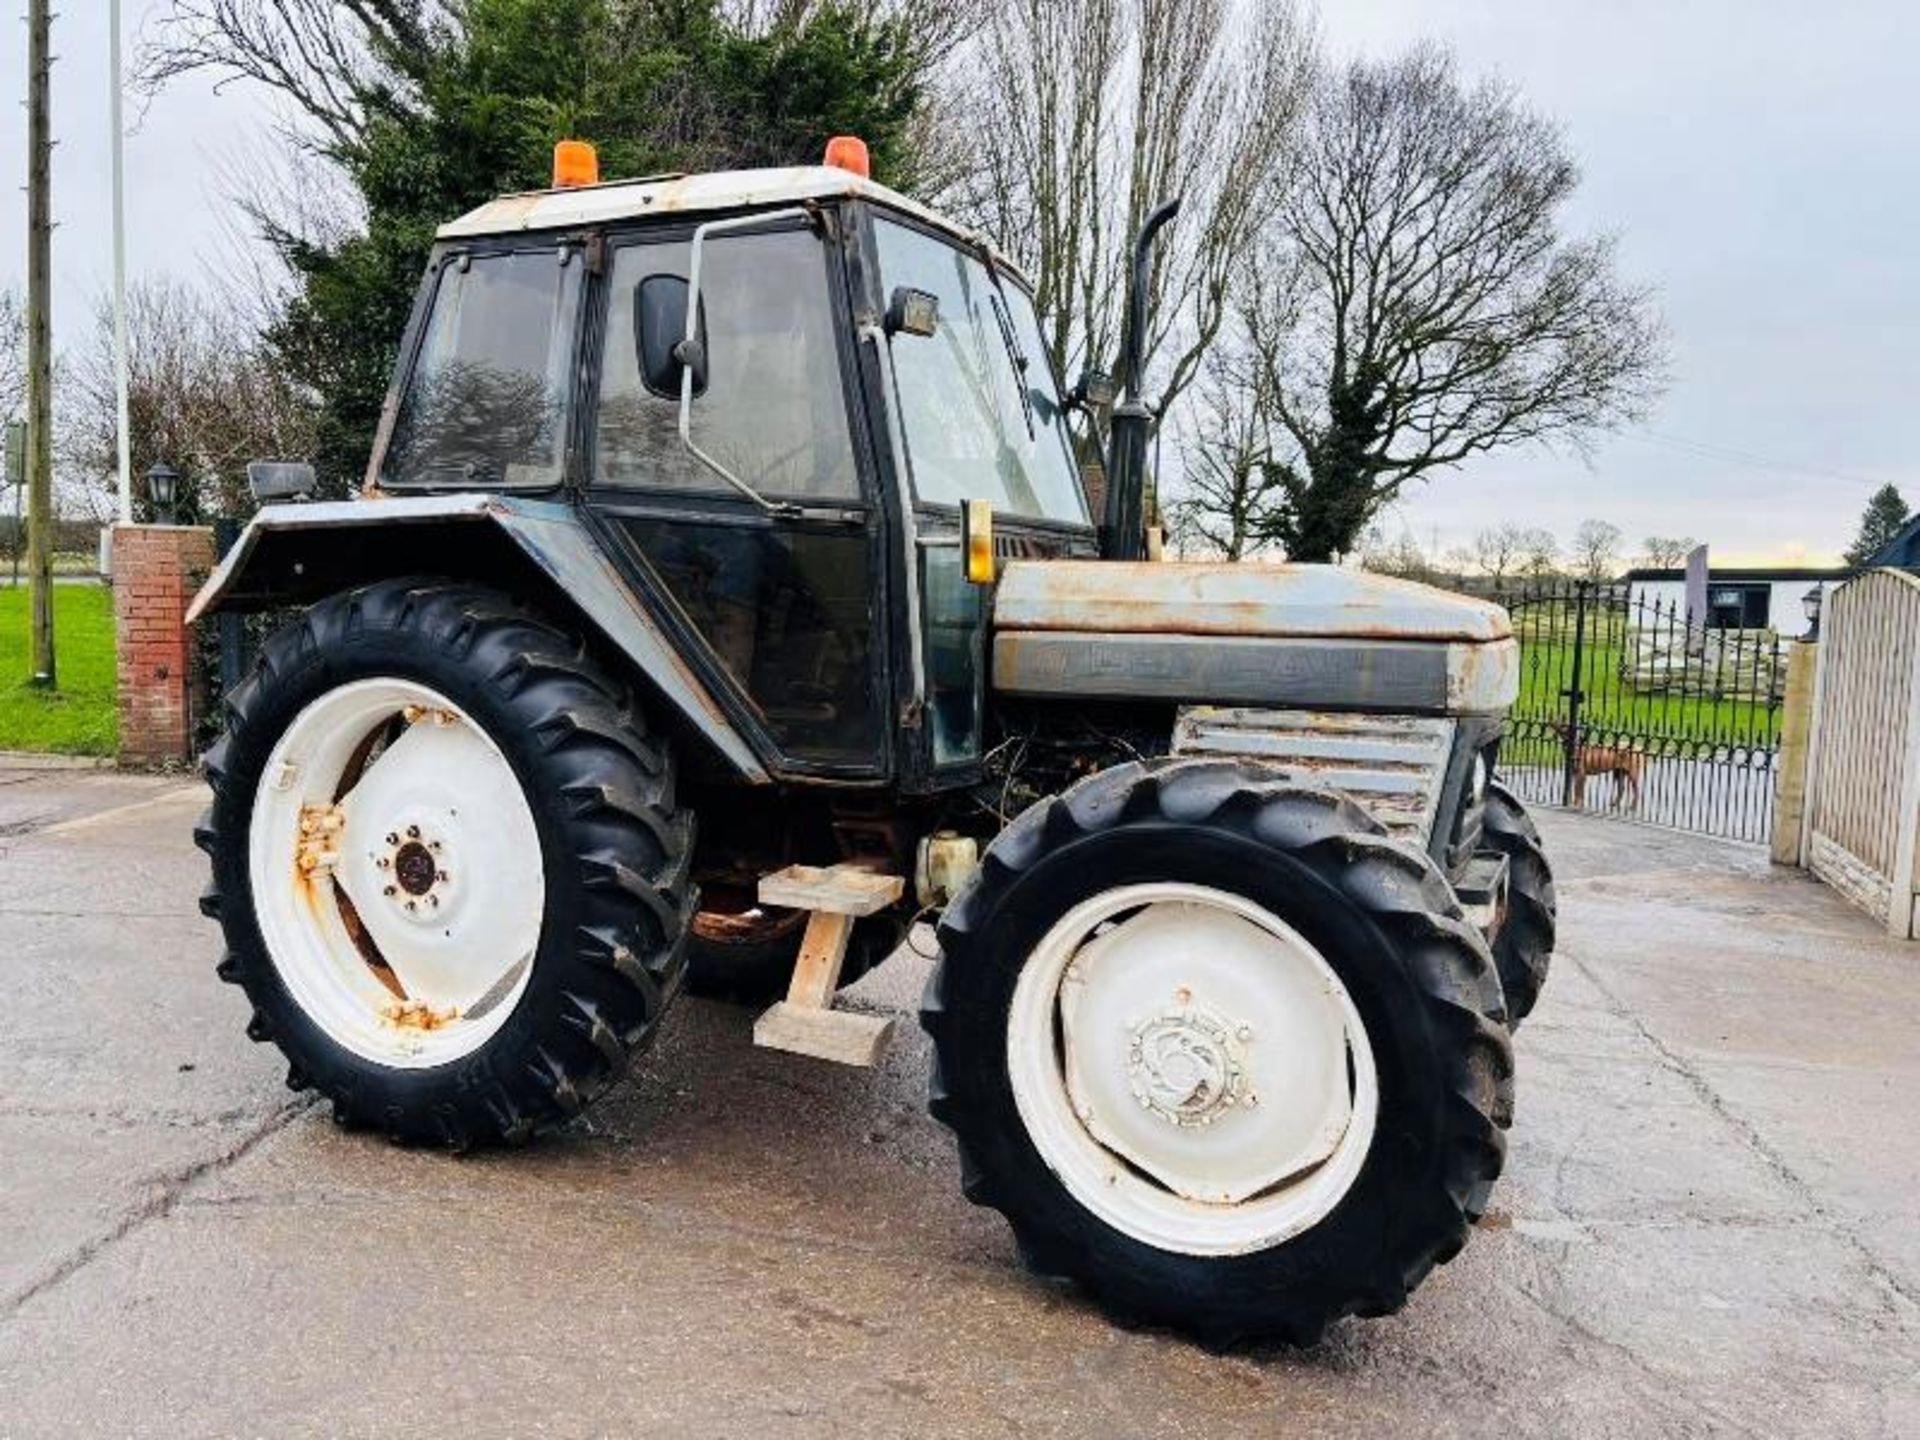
(982, 415)
(773, 409)
(488, 399)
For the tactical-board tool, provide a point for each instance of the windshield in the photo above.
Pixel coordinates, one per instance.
(487, 401)
(983, 419)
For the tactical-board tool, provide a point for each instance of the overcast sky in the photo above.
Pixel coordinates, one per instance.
(1759, 160)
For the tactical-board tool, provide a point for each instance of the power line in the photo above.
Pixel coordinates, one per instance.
(1746, 457)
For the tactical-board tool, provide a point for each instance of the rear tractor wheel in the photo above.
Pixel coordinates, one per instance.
(447, 863)
(1220, 1051)
(744, 952)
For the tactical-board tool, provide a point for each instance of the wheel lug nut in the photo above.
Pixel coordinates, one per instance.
(390, 890)
(383, 862)
(412, 905)
(413, 832)
(442, 875)
(433, 845)
(392, 839)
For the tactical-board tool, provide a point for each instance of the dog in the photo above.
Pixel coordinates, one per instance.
(1625, 766)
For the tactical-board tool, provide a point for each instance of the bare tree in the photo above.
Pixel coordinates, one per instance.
(1088, 113)
(1539, 553)
(1596, 550)
(1425, 305)
(331, 58)
(1401, 558)
(1497, 551)
(13, 354)
(1667, 552)
(204, 395)
(1230, 488)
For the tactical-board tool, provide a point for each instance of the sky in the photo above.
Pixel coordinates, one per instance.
(1758, 161)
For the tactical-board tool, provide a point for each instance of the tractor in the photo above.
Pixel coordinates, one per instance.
(724, 598)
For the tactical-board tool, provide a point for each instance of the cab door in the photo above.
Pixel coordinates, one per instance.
(781, 597)
(974, 414)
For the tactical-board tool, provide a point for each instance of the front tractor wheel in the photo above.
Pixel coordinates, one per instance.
(447, 863)
(1220, 1051)
(1523, 948)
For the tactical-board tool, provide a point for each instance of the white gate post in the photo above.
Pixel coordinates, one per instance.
(1900, 888)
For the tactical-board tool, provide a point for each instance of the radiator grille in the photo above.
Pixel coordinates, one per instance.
(1393, 766)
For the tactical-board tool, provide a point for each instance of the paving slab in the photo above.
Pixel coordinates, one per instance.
(1705, 1226)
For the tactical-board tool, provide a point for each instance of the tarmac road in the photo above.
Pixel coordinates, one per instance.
(1707, 1225)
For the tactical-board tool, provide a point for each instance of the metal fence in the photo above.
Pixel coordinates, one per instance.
(1627, 708)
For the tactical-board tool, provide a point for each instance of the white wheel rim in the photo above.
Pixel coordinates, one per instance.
(386, 802)
(1191, 1068)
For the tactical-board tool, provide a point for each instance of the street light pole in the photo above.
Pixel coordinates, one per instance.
(120, 269)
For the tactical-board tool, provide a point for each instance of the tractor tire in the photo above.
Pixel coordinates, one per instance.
(1219, 1051)
(756, 969)
(447, 863)
(1523, 948)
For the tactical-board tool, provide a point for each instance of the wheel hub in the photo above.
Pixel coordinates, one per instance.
(1187, 1065)
(412, 862)
(415, 868)
(1200, 1052)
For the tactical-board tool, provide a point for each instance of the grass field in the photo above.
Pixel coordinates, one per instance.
(77, 718)
(1643, 718)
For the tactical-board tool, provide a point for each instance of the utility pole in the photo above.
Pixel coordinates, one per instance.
(39, 342)
(120, 268)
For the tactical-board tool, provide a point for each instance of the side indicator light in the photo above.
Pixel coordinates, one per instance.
(976, 531)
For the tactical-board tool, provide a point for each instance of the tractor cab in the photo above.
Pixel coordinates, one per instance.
(773, 394)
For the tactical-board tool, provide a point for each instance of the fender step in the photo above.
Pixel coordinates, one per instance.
(806, 1023)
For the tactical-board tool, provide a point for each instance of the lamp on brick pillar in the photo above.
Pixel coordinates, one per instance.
(1810, 604)
(163, 487)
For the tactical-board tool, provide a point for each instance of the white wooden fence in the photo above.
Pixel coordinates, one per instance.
(1863, 776)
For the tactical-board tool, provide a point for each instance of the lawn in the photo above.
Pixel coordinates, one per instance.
(1677, 718)
(77, 718)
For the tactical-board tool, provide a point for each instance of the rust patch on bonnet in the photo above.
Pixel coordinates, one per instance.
(1235, 598)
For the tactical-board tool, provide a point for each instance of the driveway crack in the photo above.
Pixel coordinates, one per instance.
(1748, 1135)
(164, 1196)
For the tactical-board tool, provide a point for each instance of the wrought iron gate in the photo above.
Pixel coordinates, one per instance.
(1626, 708)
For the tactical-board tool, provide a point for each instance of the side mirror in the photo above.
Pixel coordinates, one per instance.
(660, 337)
(272, 480)
(913, 312)
(1094, 390)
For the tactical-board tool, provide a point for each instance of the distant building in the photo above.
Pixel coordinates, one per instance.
(1903, 551)
(1738, 597)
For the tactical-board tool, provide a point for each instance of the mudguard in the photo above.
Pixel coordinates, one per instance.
(290, 553)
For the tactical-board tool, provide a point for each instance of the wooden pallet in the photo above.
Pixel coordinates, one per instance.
(806, 1022)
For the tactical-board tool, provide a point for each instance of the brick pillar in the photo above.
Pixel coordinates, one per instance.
(156, 569)
(1796, 748)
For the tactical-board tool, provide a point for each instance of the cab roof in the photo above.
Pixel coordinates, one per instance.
(718, 190)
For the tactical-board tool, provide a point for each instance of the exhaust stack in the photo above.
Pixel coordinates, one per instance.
(1123, 527)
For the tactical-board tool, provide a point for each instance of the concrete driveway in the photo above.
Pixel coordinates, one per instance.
(1708, 1222)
